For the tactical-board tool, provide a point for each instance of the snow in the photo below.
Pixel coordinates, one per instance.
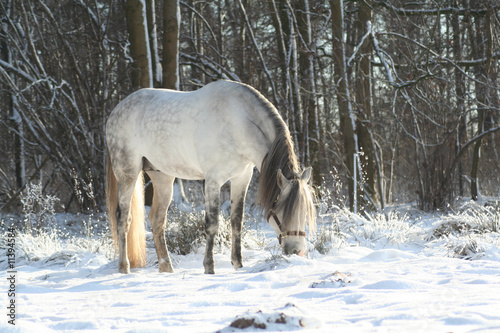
(369, 284)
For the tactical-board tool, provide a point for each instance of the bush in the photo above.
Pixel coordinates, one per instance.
(470, 218)
(185, 231)
(38, 209)
(469, 232)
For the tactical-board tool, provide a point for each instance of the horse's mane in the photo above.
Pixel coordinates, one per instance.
(281, 156)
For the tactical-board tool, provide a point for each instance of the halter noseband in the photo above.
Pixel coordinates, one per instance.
(283, 234)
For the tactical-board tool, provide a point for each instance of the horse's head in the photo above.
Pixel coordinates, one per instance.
(292, 210)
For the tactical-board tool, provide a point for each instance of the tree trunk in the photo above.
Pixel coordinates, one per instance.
(240, 43)
(171, 13)
(363, 75)
(310, 128)
(343, 98)
(153, 43)
(139, 44)
(286, 103)
(14, 117)
(482, 92)
(460, 97)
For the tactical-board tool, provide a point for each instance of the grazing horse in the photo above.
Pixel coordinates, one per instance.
(217, 133)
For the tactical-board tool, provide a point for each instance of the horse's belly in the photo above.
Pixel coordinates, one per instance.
(184, 172)
(177, 164)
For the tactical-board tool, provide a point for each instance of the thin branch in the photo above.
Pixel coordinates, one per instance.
(462, 63)
(463, 149)
(256, 45)
(207, 62)
(469, 143)
(209, 27)
(18, 71)
(438, 56)
(435, 11)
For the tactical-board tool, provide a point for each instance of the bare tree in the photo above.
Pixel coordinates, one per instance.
(399, 97)
(156, 67)
(13, 116)
(347, 118)
(142, 74)
(171, 15)
(433, 72)
(483, 73)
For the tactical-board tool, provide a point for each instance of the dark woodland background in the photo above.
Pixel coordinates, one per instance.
(396, 99)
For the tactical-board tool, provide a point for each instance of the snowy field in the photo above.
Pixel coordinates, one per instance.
(404, 271)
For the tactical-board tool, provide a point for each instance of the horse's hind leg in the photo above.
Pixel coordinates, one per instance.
(239, 186)
(126, 187)
(163, 190)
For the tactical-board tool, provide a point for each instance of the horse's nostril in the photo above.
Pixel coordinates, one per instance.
(289, 250)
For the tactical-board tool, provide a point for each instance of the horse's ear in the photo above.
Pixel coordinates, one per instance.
(282, 181)
(306, 174)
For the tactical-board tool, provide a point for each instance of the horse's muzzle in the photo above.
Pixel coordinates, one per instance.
(290, 249)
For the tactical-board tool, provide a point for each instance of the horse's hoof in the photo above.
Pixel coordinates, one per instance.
(165, 267)
(209, 265)
(124, 270)
(237, 264)
(166, 270)
(209, 269)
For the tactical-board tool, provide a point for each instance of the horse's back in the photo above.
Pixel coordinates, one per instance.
(150, 108)
(187, 133)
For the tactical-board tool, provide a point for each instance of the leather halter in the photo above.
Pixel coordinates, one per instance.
(283, 234)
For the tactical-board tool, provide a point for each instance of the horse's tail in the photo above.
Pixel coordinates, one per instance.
(112, 199)
(136, 239)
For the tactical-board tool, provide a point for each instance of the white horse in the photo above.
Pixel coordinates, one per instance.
(217, 133)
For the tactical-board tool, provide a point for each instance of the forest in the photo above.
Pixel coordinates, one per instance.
(395, 100)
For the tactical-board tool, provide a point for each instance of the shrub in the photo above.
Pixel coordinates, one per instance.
(38, 209)
(471, 218)
(185, 230)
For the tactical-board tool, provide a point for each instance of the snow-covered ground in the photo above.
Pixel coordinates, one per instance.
(402, 272)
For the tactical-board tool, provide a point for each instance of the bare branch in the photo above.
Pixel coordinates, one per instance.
(435, 11)
(264, 65)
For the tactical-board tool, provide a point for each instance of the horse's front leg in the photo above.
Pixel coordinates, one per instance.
(237, 208)
(239, 188)
(212, 198)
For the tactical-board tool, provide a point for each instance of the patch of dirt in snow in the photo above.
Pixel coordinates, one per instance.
(278, 261)
(288, 318)
(270, 264)
(334, 280)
